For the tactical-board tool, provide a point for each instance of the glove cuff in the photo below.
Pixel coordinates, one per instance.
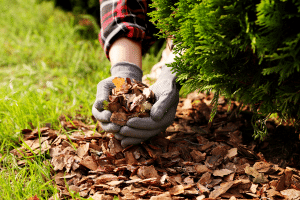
(126, 70)
(167, 73)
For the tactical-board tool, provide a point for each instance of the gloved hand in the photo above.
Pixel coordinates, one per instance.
(162, 112)
(104, 87)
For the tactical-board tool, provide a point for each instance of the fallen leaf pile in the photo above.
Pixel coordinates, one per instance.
(129, 99)
(192, 159)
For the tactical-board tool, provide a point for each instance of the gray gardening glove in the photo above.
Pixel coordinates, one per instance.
(104, 87)
(162, 112)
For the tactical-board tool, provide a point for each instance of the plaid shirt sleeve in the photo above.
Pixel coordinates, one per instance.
(125, 18)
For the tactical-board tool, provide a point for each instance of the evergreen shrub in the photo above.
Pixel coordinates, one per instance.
(248, 50)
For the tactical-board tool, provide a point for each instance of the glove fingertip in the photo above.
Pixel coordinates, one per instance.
(119, 136)
(103, 116)
(131, 141)
(156, 113)
(99, 104)
(125, 143)
(110, 127)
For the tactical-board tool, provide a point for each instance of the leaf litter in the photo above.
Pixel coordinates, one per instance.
(192, 159)
(129, 99)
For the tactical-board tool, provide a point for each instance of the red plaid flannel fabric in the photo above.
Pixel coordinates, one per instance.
(127, 18)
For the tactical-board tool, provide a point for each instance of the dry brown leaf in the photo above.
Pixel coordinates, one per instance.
(261, 178)
(198, 156)
(213, 183)
(217, 157)
(262, 167)
(114, 146)
(229, 177)
(133, 181)
(114, 183)
(202, 188)
(22, 162)
(177, 178)
(247, 153)
(213, 161)
(84, 193)
(58, 178)
(58, 163)
(89, 163)
(288, 177)
(99, 196)
(131, 189)
(221, 150)
(191, 191)
(187, 104)
(177, 190)
(272, 192)
(119, 118)
(170, 154)
(188, 180)
(82, 150)
(258, 177)
(95, 147)
(118, 82)
(281, 183)
(54, 197)
(222, 172)
(43, 148)
(201, 197)
(205, 178)
(241, 185)
(164, 196)
(147, 172)
(129, 157)
(129, 196)
(37, 142)
(253, 188)
(74, 188)
(200, 169)
(149, 181)
(91, 134)
(69, 160)
(232, 153)
(296, 182)
(100, 187)
(18, 152)
(291, 194)
(273, 184)
(221, 189)
(105, 178)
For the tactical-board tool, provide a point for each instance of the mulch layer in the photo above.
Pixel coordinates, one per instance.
(192, 159)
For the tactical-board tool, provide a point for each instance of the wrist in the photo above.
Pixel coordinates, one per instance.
(126, 70)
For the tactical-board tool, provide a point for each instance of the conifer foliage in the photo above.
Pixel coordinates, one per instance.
(248, 50)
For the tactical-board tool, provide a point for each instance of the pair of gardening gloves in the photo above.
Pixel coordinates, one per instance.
(162, 113)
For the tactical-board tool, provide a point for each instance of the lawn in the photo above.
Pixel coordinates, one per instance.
(49, 66)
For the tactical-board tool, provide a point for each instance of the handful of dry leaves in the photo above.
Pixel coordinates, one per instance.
(129, 99)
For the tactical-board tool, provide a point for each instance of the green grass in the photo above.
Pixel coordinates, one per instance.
(49, 66)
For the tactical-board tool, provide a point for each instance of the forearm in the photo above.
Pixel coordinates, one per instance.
(126, 50)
